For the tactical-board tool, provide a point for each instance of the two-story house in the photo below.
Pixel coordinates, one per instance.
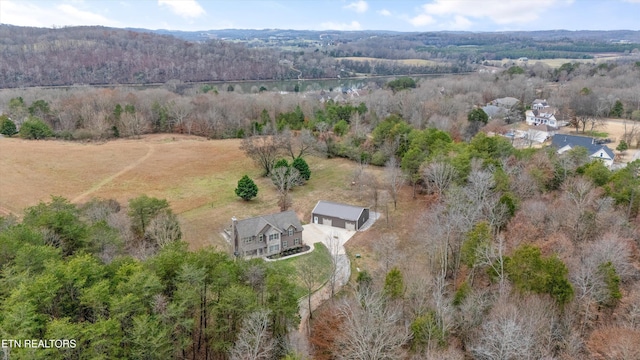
(541, 114)
(266, 235)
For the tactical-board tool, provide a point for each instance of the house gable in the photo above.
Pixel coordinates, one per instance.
(596, 151)
(273, 228)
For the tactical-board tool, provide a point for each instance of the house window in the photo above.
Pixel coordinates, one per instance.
(290, 231)
(275, 236)
(247, 240)
(284, 244)
(261, 238)
(296, 241)
(274, 248)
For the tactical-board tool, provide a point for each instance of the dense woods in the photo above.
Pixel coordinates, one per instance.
(97, 56)
(123, 285)
(487, 251)
(100, 55)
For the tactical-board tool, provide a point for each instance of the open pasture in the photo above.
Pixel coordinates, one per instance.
(410, 62)
(197, 177)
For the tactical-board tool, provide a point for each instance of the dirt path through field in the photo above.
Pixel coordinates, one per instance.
(83, 196)
(4, 211)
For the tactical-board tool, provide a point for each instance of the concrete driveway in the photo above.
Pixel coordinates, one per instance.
(333, 238)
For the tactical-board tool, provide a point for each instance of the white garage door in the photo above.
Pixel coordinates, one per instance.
(350, 226)
(326, 221)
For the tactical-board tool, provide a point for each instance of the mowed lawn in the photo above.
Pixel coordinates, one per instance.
(197, 177)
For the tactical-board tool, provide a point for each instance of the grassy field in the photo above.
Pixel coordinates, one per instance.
(556, 63)
(197, 177)
(411, 62)
(320, 255)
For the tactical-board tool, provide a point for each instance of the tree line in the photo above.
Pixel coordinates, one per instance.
(123, 285)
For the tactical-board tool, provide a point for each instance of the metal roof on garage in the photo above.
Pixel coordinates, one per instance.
(342, 211)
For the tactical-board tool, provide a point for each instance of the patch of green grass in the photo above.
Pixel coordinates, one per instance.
(598, 134)
(320, 255)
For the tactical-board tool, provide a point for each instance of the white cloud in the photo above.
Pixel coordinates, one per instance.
(184, 8)
(498, 11)
(460, 23)
(384, 12)
(22, 14)
(358, 6)
(80, 17)
(422, 20)
(354, 25)
(27, 14)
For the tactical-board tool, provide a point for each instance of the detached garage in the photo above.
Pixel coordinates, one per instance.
(339, 215)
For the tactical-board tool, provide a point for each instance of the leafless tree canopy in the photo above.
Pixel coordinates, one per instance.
(372, 329)
(438, 176)
(263, 150)
(254, 341)
(284, 178)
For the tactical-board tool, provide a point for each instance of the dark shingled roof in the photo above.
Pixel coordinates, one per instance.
(561, 140)
(341, 211)
(281, 221)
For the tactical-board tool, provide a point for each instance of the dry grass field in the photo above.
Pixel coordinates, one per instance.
(411, 62)
(556, 63)
(197, 177)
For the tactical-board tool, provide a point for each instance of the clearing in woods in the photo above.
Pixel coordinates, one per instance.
(197, 177)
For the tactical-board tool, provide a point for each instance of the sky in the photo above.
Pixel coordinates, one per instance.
(395, 15)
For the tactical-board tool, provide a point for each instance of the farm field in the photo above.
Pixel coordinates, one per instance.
(197, 177)
(556, 63)
(411, 62)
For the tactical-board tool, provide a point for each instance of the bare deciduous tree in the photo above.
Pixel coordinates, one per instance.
(577, 205)
(301, 144)
(179, 110)
(394, 178)
(333, 244)
(387, 251)
(285, 178)
(494, 257)
(516, 329)
(164, 229)
(309, 272)
(372, 328)
(254, 340)
(263, 150)
(438, 176)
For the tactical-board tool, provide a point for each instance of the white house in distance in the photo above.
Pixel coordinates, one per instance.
(601, 152)
(541, 114)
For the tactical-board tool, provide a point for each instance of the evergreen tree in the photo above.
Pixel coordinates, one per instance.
(617, 110)
(34, 128)
(247, 189)
(529, 271)
(394, 284)
(281, 163)
(143, 209)
(7, 127)
(623, 146)
(478, 115)
(303, 168)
